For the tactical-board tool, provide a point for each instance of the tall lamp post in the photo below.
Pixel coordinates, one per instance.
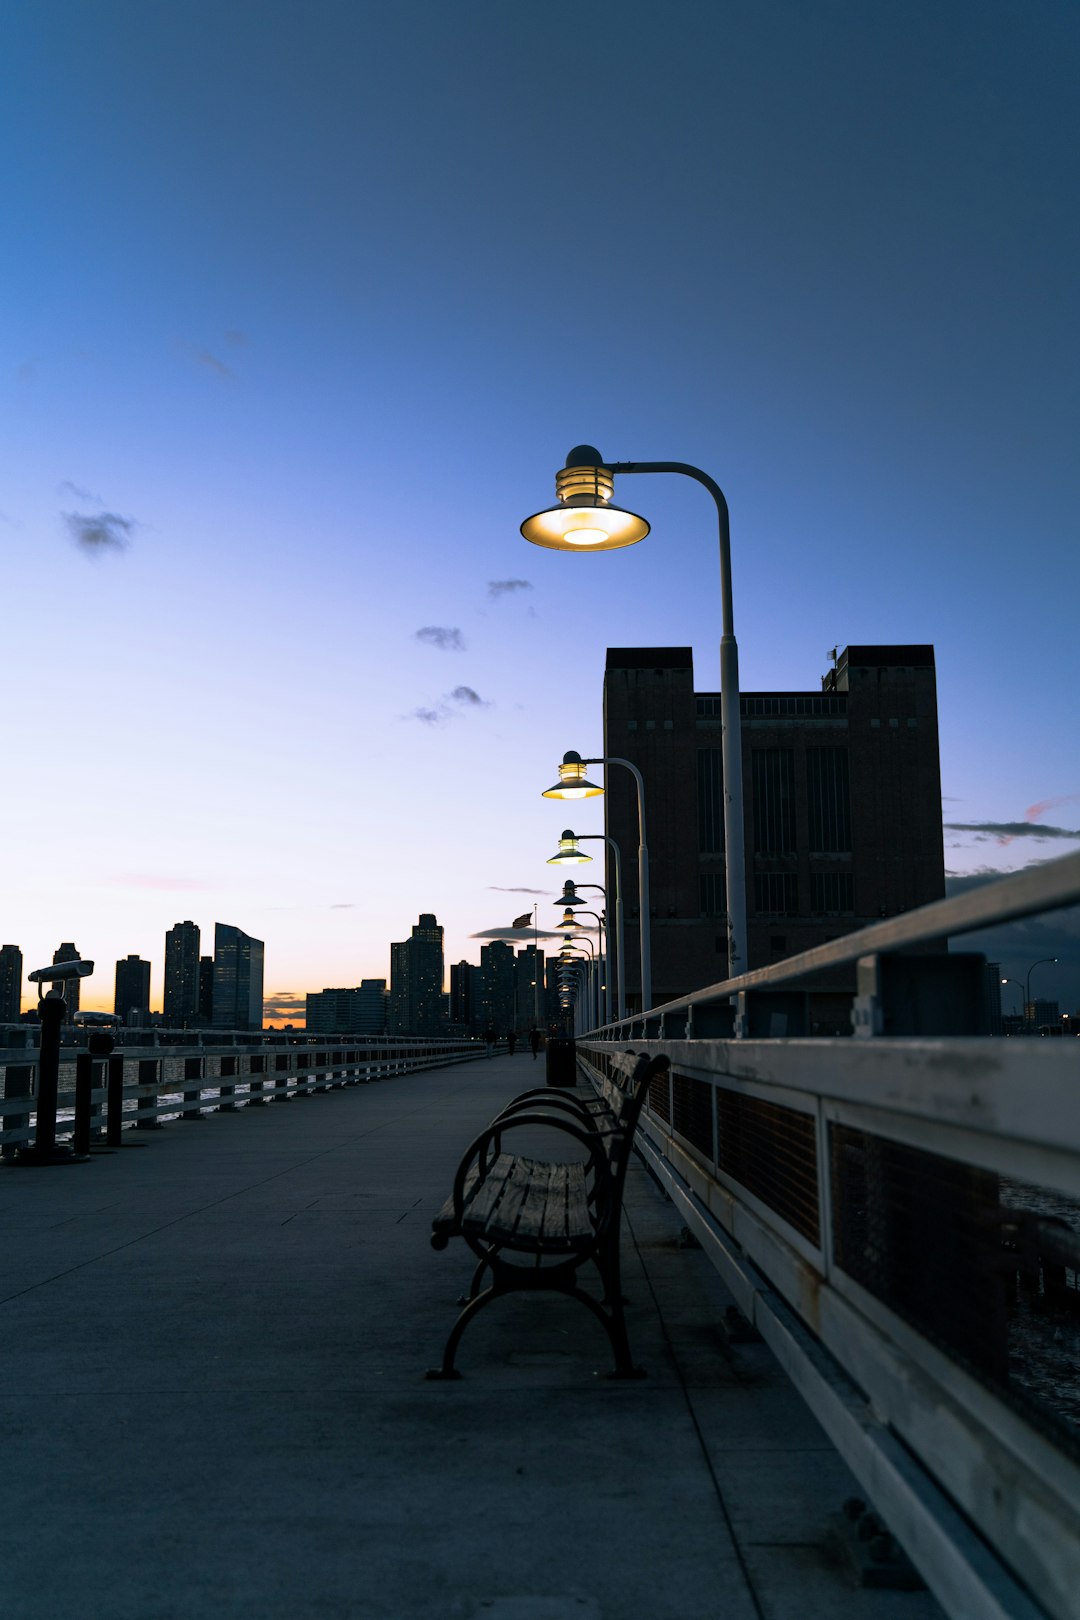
(586, 519)
(1027, 982)
(568, 854)
(570, 921)
(574, 784)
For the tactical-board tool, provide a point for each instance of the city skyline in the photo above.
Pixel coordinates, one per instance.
(285, 367)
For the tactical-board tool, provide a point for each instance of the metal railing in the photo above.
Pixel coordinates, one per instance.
(898, 1214)
(141, 1086)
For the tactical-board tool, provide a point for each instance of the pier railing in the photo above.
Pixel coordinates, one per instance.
(897, 1212)
(185, 1074)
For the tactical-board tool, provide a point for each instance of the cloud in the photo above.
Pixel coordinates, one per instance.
(1006, 831)
(510, 934)
(66, 487)
(501, 888)
(286, 1005)
(498, 588)
(203, 357)
(343, 905)
(464, 696)
(444, 637)
(107, 531)
(237, 340)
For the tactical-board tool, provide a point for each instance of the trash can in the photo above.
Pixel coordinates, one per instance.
(561, 1061)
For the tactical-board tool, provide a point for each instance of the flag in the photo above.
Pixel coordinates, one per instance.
(524, 920)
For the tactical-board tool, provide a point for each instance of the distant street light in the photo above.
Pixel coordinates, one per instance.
(586, 519)
(572, 840)
(574, 784)
(1027, 984)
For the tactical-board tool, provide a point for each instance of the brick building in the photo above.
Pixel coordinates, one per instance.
(841, 795)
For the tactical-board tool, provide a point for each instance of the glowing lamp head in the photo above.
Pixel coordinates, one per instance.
(568, 853)
(572, 783)
(586, 518)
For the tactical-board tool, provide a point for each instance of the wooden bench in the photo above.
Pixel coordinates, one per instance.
(534, 1223)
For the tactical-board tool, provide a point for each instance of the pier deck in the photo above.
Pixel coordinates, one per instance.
(213, 1404)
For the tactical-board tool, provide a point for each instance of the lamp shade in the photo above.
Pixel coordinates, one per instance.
(573, 782)
(568, 853)
(586, 518)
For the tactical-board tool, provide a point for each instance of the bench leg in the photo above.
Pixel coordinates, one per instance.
(475, 1304)
(615, 1328)
(474, 1286)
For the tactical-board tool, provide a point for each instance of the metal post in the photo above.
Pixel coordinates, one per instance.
(114, 1102)
(731, 738)
(84, 1084)
(644, 907)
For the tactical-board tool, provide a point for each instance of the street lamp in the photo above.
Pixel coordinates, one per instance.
(586, 519)
(571, 854)
(574, 784)
(1027, 982)
(571, 920)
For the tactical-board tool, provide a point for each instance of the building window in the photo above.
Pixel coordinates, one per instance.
(774, 801)
(828, 801)
(713, 899)
(631, 725)
(831, 893)
(776, 892)
(710, 789)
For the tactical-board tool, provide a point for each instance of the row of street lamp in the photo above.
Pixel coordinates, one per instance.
(586, 518)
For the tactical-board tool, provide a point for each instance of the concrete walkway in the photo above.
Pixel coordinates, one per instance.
(212, 1402)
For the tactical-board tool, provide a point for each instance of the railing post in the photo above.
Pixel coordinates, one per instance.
(18, 1082)
(194, 1069)
(114, 1101)
(146, 1108)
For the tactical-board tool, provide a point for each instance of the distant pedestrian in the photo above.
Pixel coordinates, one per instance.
(489, 1041)
(534, 1041)
(511, 1041)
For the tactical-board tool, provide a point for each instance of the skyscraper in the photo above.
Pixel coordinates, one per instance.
(206, 992)
(132, 999)
(238, 979)
(416, 980)
(498, 967)
(10, 984)
(69, 953)
(180, 1008)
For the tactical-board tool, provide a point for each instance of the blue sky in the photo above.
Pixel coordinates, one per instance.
(316, 298)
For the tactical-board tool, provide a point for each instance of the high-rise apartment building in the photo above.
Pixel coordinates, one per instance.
(528, 969)
(132, 999)
(416, 980)
(357, 1011)
(498, 967)
(11, 967)
(70, 987)
(466, 997)
(841, 802)
(238, 979)
(206, 992)
(180, 1002)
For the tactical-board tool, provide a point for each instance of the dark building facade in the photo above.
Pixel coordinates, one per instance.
(498, 967)
(70, 987)
(466, 997)
(131, 1001)
(11, 971)
(841, 802)
(206, 992)
(416, 980)
(180, 1001)
(360, 1010)
(238, 979)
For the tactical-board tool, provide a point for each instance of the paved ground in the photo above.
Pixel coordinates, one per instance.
(212, 1403)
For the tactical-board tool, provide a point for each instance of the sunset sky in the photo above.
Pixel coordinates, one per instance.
(305, 304)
